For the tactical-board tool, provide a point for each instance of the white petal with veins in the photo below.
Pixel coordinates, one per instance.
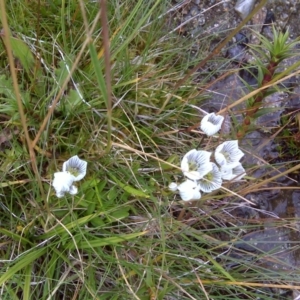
(228, 152)
(195, 164)
(75, 166)
(211, 181)
(211, 124)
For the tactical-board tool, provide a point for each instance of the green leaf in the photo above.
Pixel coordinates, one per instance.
(8, 99)
(6, 87)
(15, 237)
(73, 101)
(98, 72)
(22, 52)
(27, 282)
(129, 189)
(90, 201)
(59, 230)
(100, 242)
(97, 222)
(23, 262)
(120, 214)
(265, 110)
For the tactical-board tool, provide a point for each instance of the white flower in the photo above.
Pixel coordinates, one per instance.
(238, 173)
(228, 153)
(76, 167)
(173, 186)
(212, 180)
(189, 190)
(233, 172)
(211, 124)
(227, 170)
(195, 164)
(63, 183)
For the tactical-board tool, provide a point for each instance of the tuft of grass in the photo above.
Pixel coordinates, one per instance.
(74, 84)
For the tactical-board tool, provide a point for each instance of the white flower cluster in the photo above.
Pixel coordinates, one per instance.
(74, 169)
(202, 174)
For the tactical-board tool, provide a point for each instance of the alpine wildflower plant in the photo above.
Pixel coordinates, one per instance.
(204, 175)
(74, 169)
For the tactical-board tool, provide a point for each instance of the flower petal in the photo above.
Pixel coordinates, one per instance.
(228, 152)
(75, 166)
(233, 172)
(195, 164)
(211, 124)
(62, 183)
(227, 170)
(173, 186)
(192, 175)
(220, 158)
(238, 172)
(73, 190)
(211, 181)
(189, 190)
(197, 194)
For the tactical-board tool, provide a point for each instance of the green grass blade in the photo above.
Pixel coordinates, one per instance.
(22, 263)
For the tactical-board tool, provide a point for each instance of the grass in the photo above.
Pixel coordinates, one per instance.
(120, 237)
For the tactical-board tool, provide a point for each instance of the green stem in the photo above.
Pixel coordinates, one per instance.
(105, 34)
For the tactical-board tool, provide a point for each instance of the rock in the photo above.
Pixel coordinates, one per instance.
(275, 246)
